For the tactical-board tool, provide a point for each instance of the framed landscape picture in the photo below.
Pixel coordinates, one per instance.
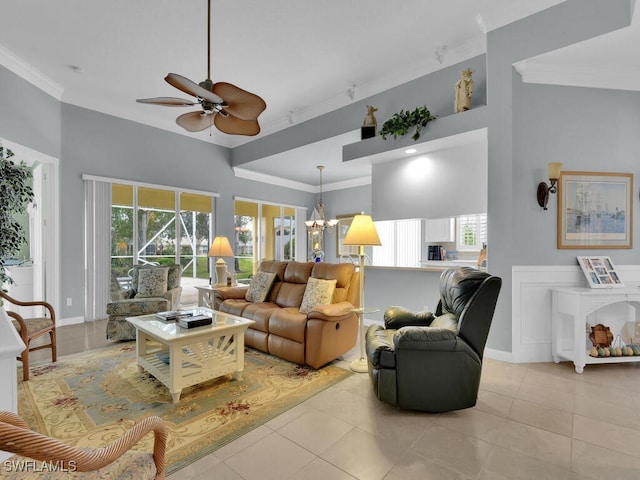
(344, 222)
(600, 272)
(595, 210)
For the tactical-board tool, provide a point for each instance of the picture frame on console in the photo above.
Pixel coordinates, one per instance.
(600, 272)
(595, 210)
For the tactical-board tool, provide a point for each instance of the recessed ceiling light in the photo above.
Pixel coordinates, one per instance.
(410, 150)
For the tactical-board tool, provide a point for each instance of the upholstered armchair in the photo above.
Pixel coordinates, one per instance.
(153, 289)
(432, 362)
(57, 460)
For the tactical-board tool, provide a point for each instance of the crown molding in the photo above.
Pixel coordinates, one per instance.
(271, 180)
(21, 68)
(585, 76)
(304, 187)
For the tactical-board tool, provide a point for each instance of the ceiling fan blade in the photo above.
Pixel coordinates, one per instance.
(241, 104)
(194, 121)
(236, 126)
(192, 88)
(167, 101)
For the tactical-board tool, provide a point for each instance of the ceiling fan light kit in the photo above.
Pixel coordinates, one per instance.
(231, 109)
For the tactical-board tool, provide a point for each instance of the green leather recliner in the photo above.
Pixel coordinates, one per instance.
(432, 362)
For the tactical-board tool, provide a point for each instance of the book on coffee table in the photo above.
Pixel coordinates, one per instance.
(195, 321)
(172, 315)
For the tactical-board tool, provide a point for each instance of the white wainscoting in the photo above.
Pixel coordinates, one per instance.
(531, 305)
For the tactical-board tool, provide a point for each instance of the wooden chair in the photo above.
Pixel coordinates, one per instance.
(112, 461)
(32, 328)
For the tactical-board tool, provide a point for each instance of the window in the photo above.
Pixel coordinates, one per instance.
(401, 243)
(471, 232)
(263, 232)
(160, 226)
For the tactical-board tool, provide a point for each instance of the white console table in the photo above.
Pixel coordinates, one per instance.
(573, 305)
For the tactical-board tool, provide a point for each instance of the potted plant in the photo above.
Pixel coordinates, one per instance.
(15, 194)
(400, 123)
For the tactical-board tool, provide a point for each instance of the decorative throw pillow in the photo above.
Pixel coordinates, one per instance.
(317, 292)
(173, 277)
(259, 287)
(152, 282)
(448, 321)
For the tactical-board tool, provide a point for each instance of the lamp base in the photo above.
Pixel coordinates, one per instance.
(359, 365)
(221, 273)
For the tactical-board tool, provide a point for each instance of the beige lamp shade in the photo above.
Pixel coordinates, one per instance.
(554, 169)
(220, 248)
(362, 232)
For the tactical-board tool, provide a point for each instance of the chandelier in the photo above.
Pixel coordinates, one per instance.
(317, 224)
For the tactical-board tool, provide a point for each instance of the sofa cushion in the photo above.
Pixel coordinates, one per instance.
(291, 290)
(317, 292)
(341, 272)
(152, 282)
(259, 287)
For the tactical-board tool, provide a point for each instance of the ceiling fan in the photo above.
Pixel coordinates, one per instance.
(231, 109)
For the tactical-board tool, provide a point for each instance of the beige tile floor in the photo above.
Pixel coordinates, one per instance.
(532, 421)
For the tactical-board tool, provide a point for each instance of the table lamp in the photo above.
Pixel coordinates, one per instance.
(220, 248)
(361, 233)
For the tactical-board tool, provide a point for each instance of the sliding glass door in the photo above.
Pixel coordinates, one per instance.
(157, 226)
(263, 232)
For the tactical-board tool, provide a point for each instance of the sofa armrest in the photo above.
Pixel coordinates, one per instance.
(331, 312)
(398, 317)
(380, 348)
(430, 339)
(226, 293)
(173, 296)
(137, 306)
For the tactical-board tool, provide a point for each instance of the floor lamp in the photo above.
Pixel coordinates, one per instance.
(220, 248)
(362, 233)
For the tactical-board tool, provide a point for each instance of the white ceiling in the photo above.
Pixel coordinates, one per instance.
(302, 57)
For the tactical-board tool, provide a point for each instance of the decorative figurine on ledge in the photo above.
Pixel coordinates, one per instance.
(370, 123)
(464, 91)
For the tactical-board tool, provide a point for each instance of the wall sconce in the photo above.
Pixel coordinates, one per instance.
(543, 189)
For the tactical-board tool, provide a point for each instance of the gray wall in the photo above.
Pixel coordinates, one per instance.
(593, 130)
(440, 184)
(510, 195)
(29, 116)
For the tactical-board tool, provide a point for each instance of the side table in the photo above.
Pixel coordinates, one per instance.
(206, 295)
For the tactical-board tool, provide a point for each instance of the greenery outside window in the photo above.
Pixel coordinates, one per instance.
(169, 227)
(471, 232)
(263, 232)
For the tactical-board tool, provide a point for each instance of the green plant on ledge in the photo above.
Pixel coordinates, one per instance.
(15, 194)
(400, 123)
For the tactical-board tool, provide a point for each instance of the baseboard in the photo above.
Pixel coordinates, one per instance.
(500, 355)
(69, 321)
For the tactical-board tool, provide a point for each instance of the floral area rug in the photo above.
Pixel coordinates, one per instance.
(91, 398)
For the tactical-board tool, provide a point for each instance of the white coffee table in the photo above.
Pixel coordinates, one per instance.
(180, 357)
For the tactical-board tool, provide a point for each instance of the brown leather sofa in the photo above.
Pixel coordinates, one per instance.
(314, 338)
